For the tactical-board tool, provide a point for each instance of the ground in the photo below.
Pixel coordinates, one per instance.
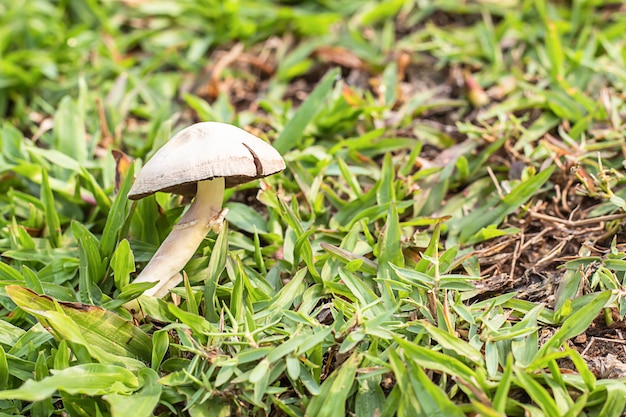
(447, 238)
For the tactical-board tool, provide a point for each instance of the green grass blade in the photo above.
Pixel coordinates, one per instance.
(191, 303)
(69, 130)
(554, 47)
(8, 273)
(432, 250)
(87, 379)
(237, 295)
(102, 199)
(143, 402)
(408, 405)
(284, 299)
(359, 289)
(43, 407)
(4, 370)
(502, 393)
(195, 322)
(291, 134)
(100, 328)
(390, 250)
(217, 264)
(432, 399)
(573, 325)
(370, 399)
(538, 393)
(347, 257)
(34, 338)
(569, 287)
(53, 224)
(615, 402)
(91, 265)
(438, 361)
(385, 192)
(9, 333)
(447, 341)
(582, 368)
(160, 345)
(32, 280)
(62, 356)
(123, 264)
(488, 215)
(302, 247)
(246, 218)
(117, 216)
(334, 391)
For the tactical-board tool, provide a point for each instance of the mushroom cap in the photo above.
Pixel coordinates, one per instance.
(204, 151)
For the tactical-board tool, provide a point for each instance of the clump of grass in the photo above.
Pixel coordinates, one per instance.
(446, 233)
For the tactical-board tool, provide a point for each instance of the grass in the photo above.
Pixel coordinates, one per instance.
(447, 238)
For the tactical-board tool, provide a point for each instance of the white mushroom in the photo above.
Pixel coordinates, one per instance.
(202, 159)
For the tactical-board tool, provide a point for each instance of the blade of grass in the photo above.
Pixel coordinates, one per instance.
(390, 253)
(385, 192)
(291, 134)
(117, 217)
(53, 225)
(123, 264)
(573, 325)
(502, 393)
(69, 130)
(583, 369)
(217, 264)
(143, 402)
(99, 327)
(88, 379)
(32, 280)
(370, 398)
(43, 407)
(438, 361)
(447, 341)
(433, 400)
(34, 338)
(334, 391)
(539, 394)
(407, 404)
(487, 215)
(615, 400)
(91, 265)
(4, 370)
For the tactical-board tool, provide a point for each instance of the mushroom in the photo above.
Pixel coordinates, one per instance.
(202, 159)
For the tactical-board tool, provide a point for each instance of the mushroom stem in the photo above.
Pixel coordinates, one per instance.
(185, 237)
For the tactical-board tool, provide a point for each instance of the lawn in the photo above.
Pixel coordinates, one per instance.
(447, 238)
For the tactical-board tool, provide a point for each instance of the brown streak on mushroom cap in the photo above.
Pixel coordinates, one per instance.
(204, 151)
(257, 162)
